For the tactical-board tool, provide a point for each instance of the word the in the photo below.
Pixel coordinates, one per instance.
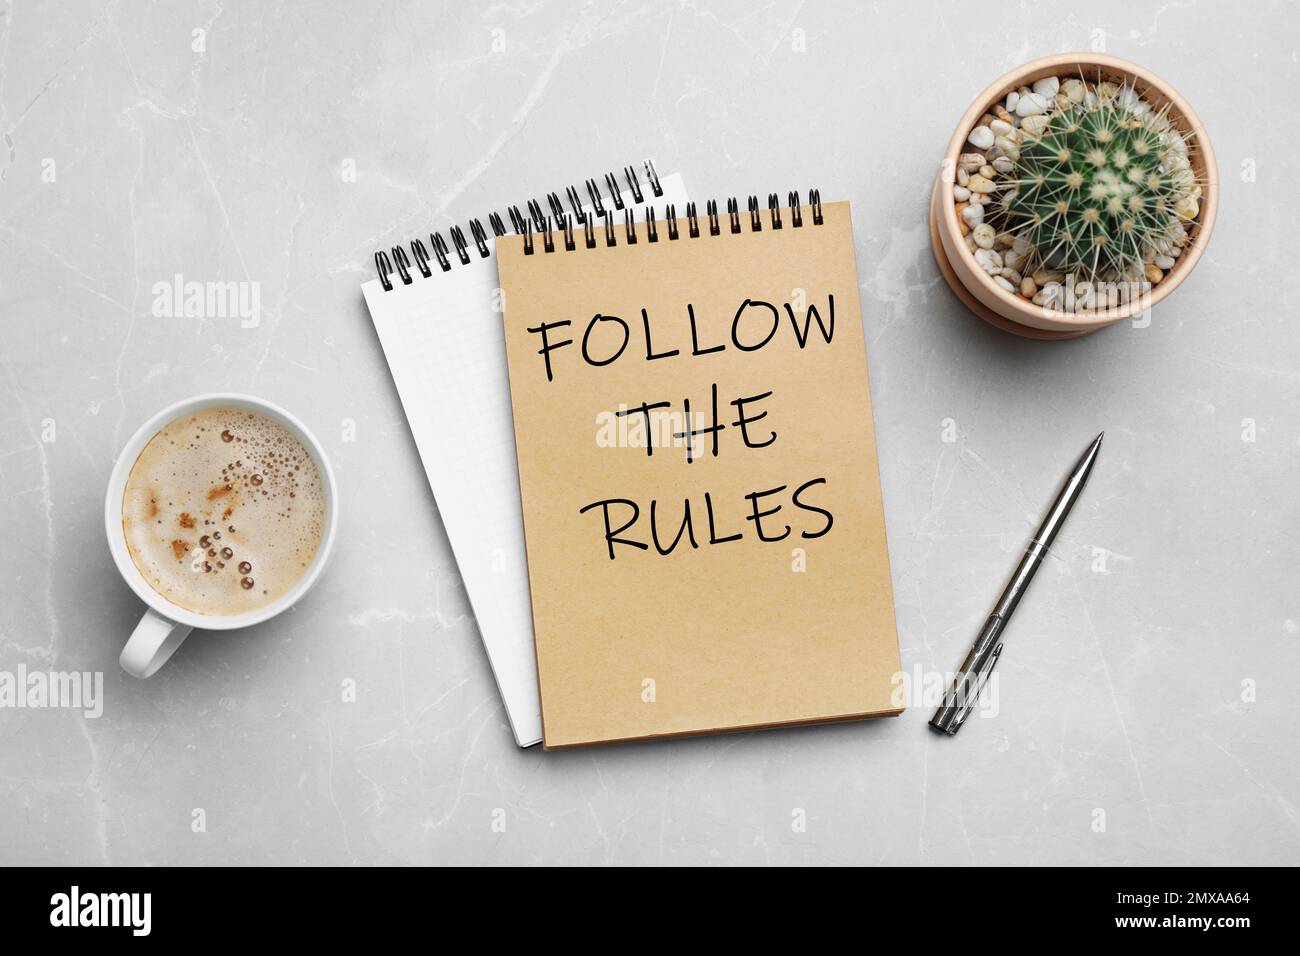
(709, 427)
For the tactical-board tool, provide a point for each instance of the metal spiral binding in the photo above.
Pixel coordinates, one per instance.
(396, 261)
(457, 240)
(541, 224)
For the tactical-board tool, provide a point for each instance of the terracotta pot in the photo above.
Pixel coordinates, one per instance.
(977, 289)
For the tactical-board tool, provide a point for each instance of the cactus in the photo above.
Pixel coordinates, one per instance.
(1096, 187)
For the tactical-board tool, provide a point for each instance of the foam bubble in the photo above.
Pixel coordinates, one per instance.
(192, 479)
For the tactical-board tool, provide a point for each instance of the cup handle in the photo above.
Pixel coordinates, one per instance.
(154, 640)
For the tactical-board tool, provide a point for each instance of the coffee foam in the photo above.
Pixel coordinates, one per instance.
(223, 511)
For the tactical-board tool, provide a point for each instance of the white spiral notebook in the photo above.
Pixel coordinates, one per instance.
(455, 390)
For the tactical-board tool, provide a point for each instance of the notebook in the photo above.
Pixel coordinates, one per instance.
(436, 309)
(697, 465)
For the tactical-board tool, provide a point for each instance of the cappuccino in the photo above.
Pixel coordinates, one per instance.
(223, 511)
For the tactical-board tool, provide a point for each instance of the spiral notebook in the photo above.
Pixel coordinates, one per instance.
(697, 463)
(436, 309)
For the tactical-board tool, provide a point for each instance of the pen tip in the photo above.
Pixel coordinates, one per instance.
(1100, 436)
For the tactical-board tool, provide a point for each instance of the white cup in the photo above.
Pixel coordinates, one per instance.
(165, 625)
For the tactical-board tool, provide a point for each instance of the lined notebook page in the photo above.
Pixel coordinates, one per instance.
(444, 343)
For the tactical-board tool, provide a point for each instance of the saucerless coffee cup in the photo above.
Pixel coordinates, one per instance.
(259, 478)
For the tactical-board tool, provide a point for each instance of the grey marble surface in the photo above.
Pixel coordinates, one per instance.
(1148, 711)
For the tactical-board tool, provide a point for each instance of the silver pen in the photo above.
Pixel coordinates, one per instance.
(963, 695)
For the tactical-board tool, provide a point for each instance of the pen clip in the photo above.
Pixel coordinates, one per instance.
(981, 678)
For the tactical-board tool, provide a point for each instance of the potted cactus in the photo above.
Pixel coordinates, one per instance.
(1077, 191)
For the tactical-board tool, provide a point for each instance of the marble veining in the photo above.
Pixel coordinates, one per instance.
(1147, 712)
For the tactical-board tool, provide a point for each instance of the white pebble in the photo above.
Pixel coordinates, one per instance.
(1031, 105)
(974, 215)
(1012, 99)
(960, 193)
(1074, 89)
(984, 236)
(1008, 148)
(1164, 262)
(1000, 127)
(989, 261)
(1047, 87)
(1004, 283)
(981, 137)
(1034, 125)
(1048, 295)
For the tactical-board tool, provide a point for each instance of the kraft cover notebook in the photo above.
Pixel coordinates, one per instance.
(697, 465)
(436, 309)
